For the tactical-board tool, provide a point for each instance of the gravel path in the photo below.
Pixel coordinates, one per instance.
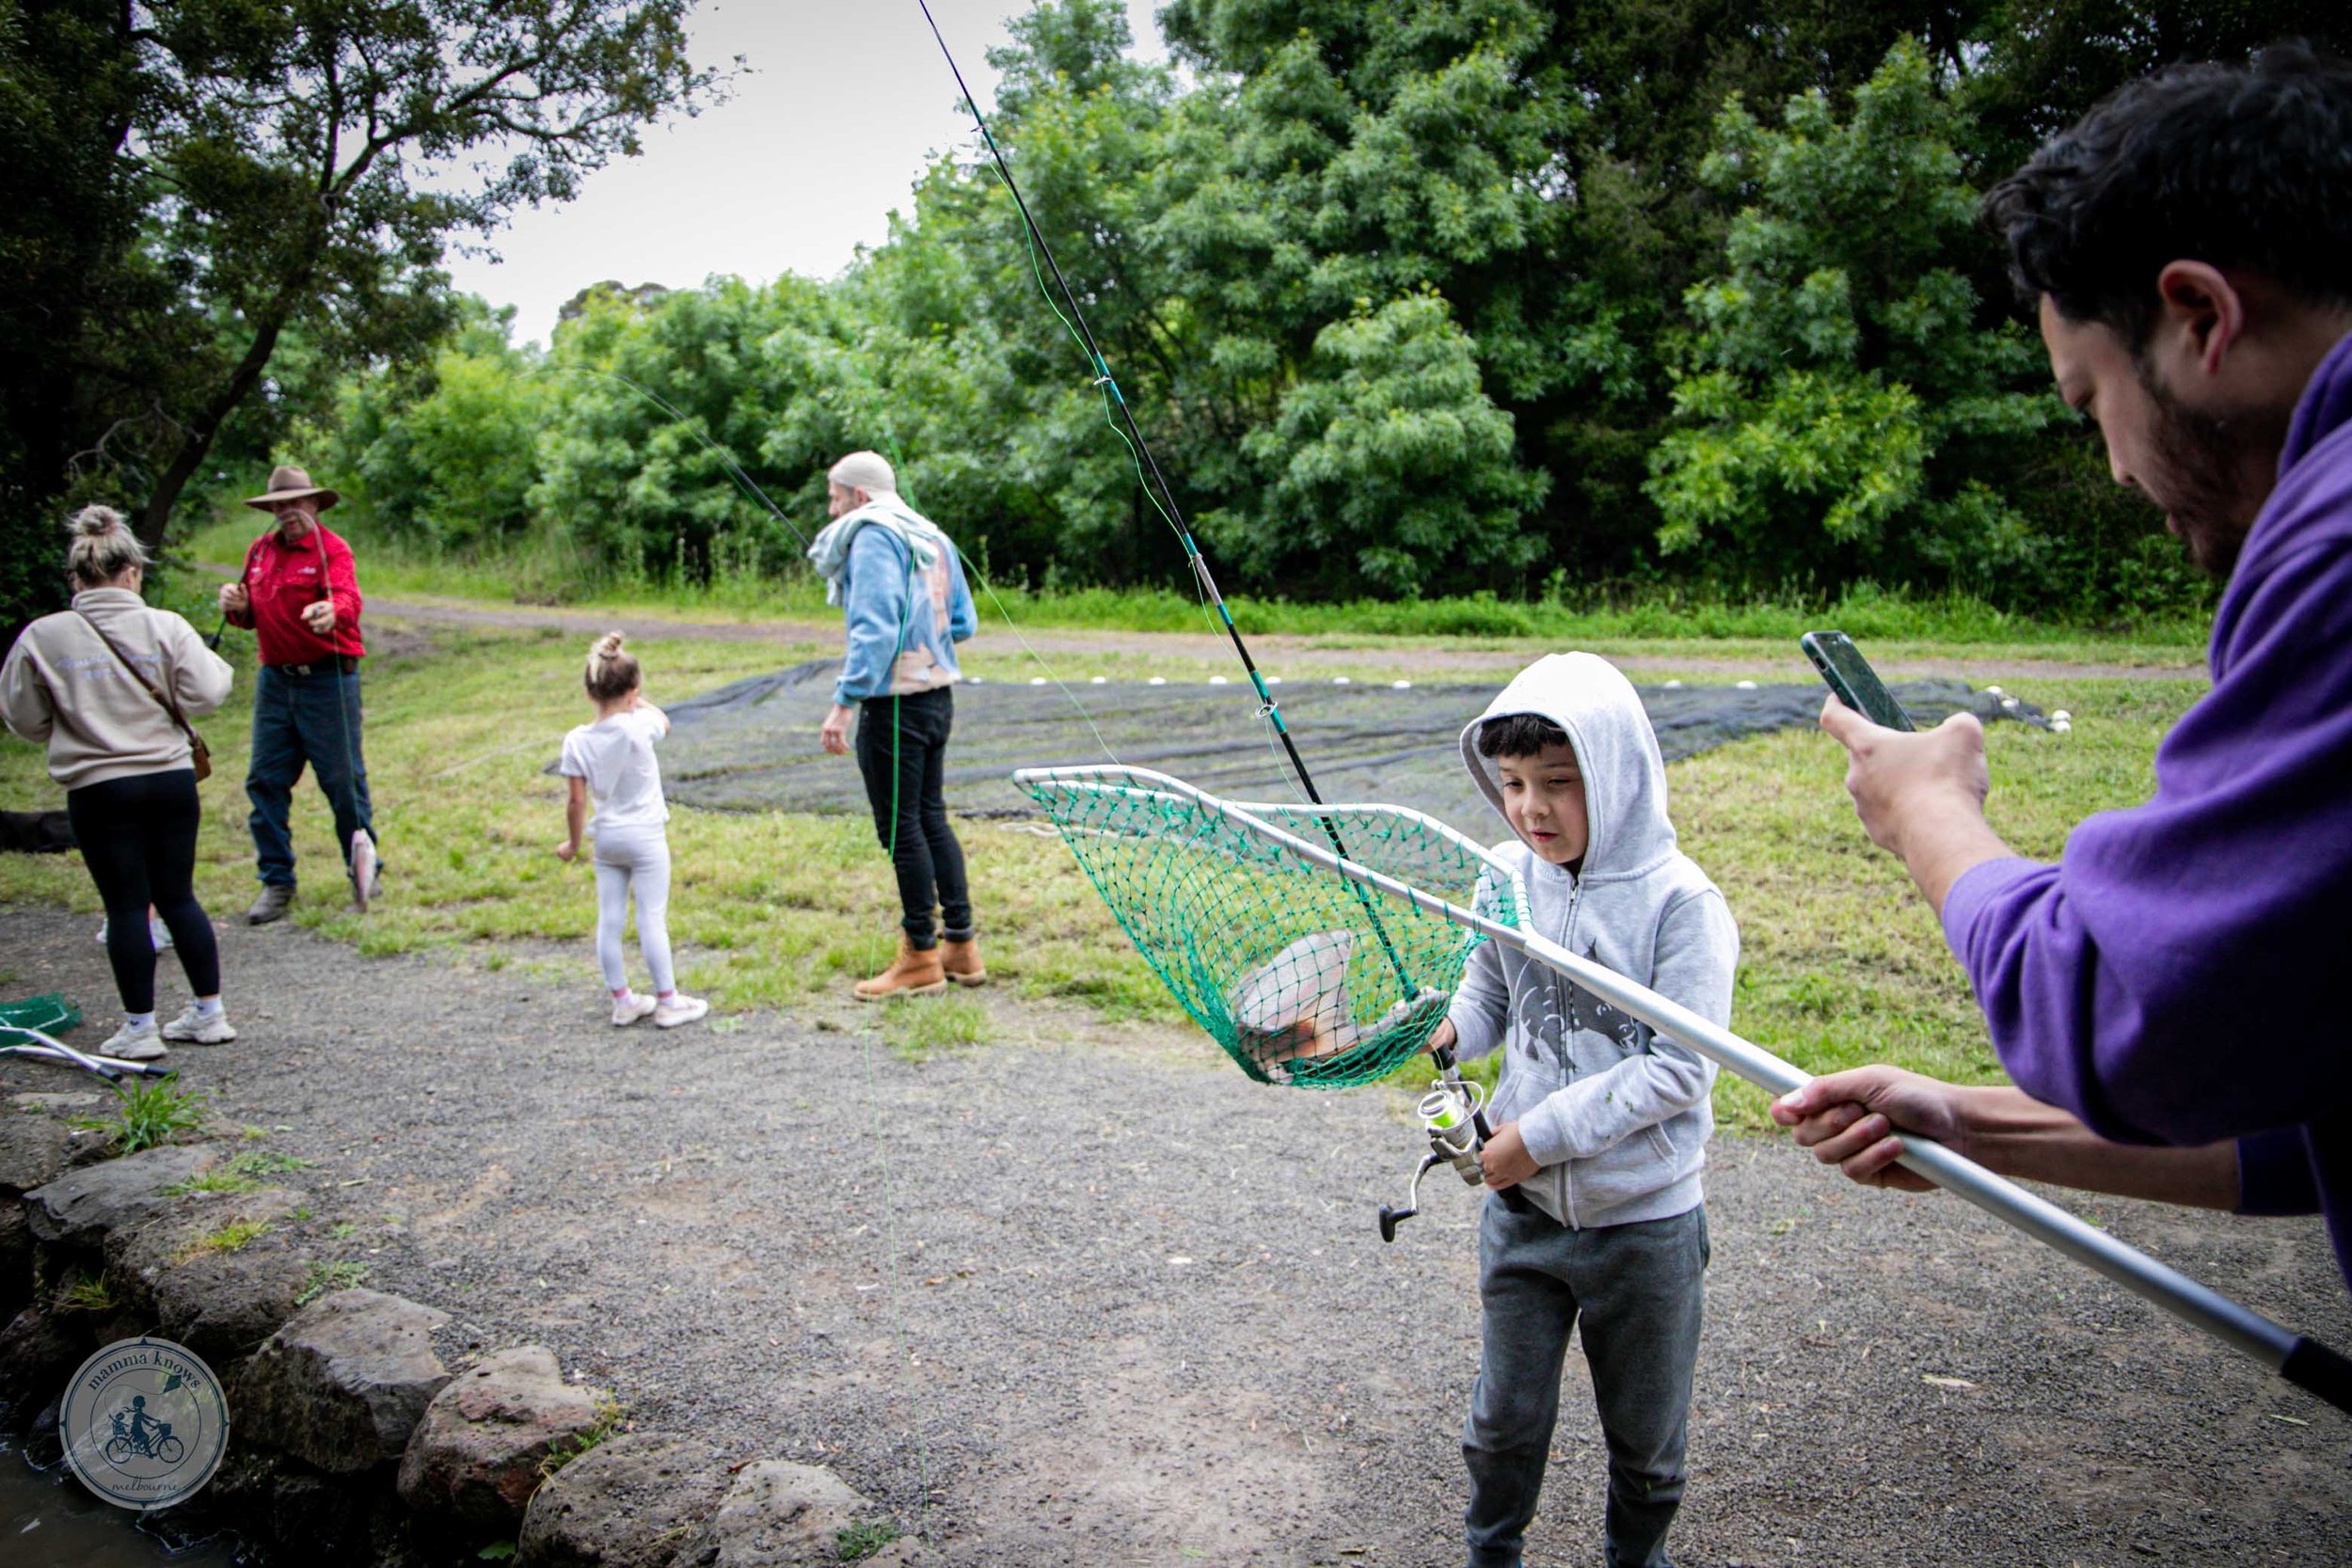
(1085, 1295)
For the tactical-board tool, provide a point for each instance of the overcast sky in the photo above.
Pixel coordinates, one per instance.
(840, 107)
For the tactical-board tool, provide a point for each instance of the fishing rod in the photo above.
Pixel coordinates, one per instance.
(1148, 471)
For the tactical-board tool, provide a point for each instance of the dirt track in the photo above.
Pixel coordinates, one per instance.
(1088, 1296)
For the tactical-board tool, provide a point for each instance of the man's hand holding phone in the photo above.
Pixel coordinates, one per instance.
(1920, 795)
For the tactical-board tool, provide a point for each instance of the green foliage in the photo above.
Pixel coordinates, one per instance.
(445, 457)
(149, 1112)
(1412, 298)
(919, 1027)
(266, 1162)
(231, 1237)
(858, 1542)
(611, 1418)
(213, 207)
(324, 1278)
(1391, 462)
(239, 1173)
(87, 1292)
(221, 1179)
(1840, 391)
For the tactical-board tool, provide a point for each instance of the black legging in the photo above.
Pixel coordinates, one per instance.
(925, 852)
(138, 839)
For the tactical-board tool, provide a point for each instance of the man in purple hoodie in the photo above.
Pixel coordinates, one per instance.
(2169, 996)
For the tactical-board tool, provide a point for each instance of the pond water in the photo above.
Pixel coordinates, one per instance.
(50, 1520)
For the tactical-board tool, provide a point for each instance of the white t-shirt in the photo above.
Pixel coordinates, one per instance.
(615, 755)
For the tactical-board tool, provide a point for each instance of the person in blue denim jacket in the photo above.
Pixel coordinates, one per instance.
(901, 587)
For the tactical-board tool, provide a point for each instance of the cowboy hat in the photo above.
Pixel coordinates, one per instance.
(288, 483)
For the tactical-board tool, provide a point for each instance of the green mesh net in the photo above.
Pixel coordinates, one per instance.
(1303, 976)
(50, 1013)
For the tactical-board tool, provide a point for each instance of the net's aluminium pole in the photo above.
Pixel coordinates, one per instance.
(2301, 1360)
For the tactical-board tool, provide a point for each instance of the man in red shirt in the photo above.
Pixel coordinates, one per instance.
(299, 594)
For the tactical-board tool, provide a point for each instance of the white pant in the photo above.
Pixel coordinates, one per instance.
(633, 860)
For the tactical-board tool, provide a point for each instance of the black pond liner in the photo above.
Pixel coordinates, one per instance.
(752, 745)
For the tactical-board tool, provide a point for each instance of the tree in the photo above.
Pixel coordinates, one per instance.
(302, 166)
(69, 210)
(1845, 400)
(443, 456)
(1393, 469)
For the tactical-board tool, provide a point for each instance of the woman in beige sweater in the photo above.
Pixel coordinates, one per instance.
(108, 686)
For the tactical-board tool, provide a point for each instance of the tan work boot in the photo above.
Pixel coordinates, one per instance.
(915, 971)
(961, 960)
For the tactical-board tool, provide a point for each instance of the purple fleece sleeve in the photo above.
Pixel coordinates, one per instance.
(2177, 977)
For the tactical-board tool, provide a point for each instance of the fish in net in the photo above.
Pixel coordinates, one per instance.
(1302, 977)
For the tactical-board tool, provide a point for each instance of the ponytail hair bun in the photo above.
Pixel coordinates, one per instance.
(613, 673)
(103, 548)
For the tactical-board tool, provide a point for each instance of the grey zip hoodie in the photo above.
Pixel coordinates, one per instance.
(1618, 1121)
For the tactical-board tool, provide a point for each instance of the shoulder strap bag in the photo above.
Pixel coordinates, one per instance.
(199, 755)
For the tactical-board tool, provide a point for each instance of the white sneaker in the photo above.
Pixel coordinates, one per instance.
(197, 1028)
(628, 1009)
(680, 1009)
(128, 1044)
(158, 934)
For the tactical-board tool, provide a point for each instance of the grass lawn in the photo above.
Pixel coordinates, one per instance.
(1841, 963)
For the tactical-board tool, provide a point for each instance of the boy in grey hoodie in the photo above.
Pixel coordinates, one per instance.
(1603, 1126)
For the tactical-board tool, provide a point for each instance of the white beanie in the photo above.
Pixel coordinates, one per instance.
(868, 471)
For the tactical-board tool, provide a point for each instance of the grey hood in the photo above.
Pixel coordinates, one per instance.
(1628, 831)
(1617, 1118)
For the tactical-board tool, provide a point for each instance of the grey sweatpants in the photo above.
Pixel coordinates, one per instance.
(1638, 1289)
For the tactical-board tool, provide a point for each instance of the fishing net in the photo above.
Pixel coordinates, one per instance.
(50, 1013)
(1301, 976)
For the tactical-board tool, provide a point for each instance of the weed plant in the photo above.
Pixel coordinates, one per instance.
(88, 1292)
(149, 1112)
(858, 1542)
(611, 1418)
(232, 1237)
(324, 1278)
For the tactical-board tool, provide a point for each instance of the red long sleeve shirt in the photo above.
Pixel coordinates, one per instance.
(281, 580)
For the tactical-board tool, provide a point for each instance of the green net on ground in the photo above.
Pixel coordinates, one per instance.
(51, 1013)
(1302, 977)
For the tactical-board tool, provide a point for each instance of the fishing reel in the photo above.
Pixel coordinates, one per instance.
(1452, 1112)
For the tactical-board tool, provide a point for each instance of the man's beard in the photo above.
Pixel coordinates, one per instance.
(2206, 482)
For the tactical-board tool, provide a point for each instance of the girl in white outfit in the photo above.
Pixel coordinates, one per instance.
(611, 760)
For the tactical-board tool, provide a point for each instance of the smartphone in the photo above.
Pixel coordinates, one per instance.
(1851, 678)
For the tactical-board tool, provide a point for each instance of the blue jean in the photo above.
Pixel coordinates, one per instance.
(300, 719)
(1638, 1289)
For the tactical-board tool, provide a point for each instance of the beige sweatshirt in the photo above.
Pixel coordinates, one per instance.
(62, 685)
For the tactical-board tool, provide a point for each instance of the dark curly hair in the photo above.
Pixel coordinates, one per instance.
(1519, 735)
(2239, 166)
